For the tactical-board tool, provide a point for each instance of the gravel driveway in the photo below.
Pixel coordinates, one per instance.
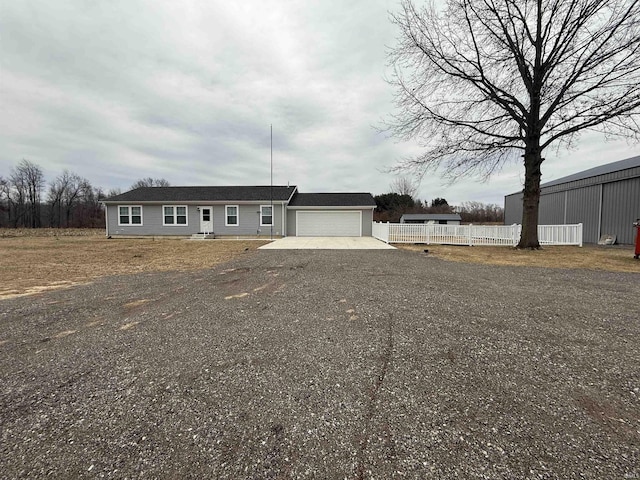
(325, 364)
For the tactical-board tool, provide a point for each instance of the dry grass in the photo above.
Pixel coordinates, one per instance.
(43, 261)
(613, 259)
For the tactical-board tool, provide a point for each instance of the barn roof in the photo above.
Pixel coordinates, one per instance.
(599, 170)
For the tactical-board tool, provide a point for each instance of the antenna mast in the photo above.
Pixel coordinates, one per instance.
(273, 217)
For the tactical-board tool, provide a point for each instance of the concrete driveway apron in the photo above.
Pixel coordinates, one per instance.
(327, 243)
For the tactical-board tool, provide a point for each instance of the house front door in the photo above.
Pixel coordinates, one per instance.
(206, 220)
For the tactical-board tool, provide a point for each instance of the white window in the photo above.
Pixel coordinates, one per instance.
(129, 215)
(266, 215)
(232, 216)
(174, 215)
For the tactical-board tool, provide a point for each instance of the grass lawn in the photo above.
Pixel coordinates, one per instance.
(42, 259)
(37, 260)
(593, 257)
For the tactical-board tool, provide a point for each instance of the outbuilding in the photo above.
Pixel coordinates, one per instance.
(605, 199)
(432, 218)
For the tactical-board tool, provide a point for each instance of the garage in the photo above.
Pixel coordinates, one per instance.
(330, 215)
(326, 223)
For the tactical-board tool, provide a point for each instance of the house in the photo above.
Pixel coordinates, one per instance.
(605, 199)
(238, 211)
(432, 218)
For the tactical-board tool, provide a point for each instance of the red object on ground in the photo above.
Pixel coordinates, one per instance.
(637, 225)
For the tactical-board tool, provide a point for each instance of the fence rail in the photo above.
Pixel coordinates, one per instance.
(500, 235)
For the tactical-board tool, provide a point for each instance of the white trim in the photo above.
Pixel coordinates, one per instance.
(130, 216)
(106, 219)
(262, 224)
(330, 208)
(329, 211)
(201, 209)
(295, 190)
(226, 216)
(175, 216)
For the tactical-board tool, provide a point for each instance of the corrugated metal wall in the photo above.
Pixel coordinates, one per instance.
(620, 208)
(579, 202)
(582, 207)
(551, 209)
(513, 209)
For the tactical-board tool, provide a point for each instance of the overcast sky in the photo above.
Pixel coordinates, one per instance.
(186, 90)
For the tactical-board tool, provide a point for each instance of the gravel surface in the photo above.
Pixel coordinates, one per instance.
(325, 364)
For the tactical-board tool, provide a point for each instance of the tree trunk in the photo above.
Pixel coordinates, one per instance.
(531, 199)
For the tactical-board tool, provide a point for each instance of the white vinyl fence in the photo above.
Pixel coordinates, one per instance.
(503, 235)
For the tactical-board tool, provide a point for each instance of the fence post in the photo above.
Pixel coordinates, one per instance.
(470, 241)
(514, 229)
(580, 233)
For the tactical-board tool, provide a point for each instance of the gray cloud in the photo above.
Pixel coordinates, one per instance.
(115, 91)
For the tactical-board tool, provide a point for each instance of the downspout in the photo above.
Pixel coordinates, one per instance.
(106, 218)
(284, 222)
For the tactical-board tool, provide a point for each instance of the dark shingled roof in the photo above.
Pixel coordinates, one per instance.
(431, 216)
(333, 200)
(211, 194)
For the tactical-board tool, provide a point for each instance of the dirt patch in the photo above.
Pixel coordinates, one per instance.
(612, 259)
(44, 261)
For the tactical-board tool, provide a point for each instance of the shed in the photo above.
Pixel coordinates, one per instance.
(432, 218)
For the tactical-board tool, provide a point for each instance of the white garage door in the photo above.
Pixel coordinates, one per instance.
(322, 223)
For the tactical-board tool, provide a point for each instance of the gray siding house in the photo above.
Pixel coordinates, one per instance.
(237, 211)
(605, 199)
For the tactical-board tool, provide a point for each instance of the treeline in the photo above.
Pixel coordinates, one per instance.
(391, 206)
(27, 200)
(478, 212)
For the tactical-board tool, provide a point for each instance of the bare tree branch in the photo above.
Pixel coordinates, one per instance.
(485, 80)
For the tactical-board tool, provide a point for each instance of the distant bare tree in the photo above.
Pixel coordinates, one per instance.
(4, 201)
(478, 212)
(90, 210)
(151, 182)
(404, 186)
(56, 193)
(26, 184)
(65, 193)
(485, 81)
(113, 192)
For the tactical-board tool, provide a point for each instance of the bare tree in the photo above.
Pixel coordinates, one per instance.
(4, 201)
(404, 186)
(487, 80)
(65, 193)
(150, 182)
(57, 189)
(474, 212)
(26, 184)
(113, 192)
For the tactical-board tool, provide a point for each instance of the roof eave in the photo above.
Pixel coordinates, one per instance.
(333, 207)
